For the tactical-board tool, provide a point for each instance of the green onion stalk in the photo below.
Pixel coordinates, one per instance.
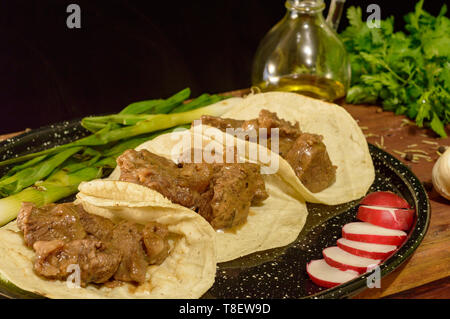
(60, 185)
(151, 123)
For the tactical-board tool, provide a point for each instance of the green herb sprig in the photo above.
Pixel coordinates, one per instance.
(407, 72)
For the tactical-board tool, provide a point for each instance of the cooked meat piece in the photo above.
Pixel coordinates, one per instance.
(155, 242)
(54, 221)
(311, 163)
(127, 238)
(250, 125)
(47, 262)
(266, 119)
(158, 173)
(194, 185)
(198, 176)
(221, 123)
(270, 120)
(230, 202)
(204, 204)
(201, 174)
(284, 145)
(258, 184)
(64, 234)
(306, 153)
(243, 129)
(96, 262)
(94, 225)
(213, 206)
(235, 186)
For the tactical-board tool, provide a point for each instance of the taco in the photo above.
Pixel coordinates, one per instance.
(323, 153)
(103, 247)
(249, 210)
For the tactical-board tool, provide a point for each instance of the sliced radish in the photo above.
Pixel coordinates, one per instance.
(326, 276)
(373, 251)
(336, 257)
(385, 199)
(392, 218)
(368, 233)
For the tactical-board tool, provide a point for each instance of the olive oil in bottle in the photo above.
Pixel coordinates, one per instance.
(310, 85)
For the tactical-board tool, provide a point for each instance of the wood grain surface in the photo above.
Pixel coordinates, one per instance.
(426, 274)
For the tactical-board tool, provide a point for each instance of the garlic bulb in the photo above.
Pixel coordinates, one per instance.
(441, 174)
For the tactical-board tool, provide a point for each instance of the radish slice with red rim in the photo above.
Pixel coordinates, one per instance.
(368, 250)
(392, 218)
(385, 199)
(336, 257)
(368, 233)
(326, 276)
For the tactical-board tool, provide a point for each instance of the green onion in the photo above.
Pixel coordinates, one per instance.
(202, 100)
(58, 186)
(27, 164)
(152, 123)
(157, 106)
(30, 175)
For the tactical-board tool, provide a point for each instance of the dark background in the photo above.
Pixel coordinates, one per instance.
(127, 51)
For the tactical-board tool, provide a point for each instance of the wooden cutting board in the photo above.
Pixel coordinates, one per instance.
(426, 274)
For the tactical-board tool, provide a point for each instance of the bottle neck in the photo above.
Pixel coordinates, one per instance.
(310, 7)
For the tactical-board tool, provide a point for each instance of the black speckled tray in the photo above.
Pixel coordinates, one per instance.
(280, 272)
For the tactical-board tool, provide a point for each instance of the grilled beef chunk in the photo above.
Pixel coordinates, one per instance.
(198, 175)
(155, 242)
(221, 123)
(257, 184)
(234, 187)
(306, 153)
(270, 120)
(158, 173)
(65, 234)
(127, 238)
(221, 193)
(94, 225)
(50, 222)
(266, 119)
(97, 262)
(311, 163)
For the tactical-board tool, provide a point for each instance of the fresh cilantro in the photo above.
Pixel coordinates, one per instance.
(407, 72)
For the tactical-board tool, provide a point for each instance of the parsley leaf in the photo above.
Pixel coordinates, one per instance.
(407, 71)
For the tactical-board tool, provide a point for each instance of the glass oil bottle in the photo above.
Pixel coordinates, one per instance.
(302, 53)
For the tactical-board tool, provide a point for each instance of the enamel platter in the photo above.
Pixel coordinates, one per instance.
(280, 272)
